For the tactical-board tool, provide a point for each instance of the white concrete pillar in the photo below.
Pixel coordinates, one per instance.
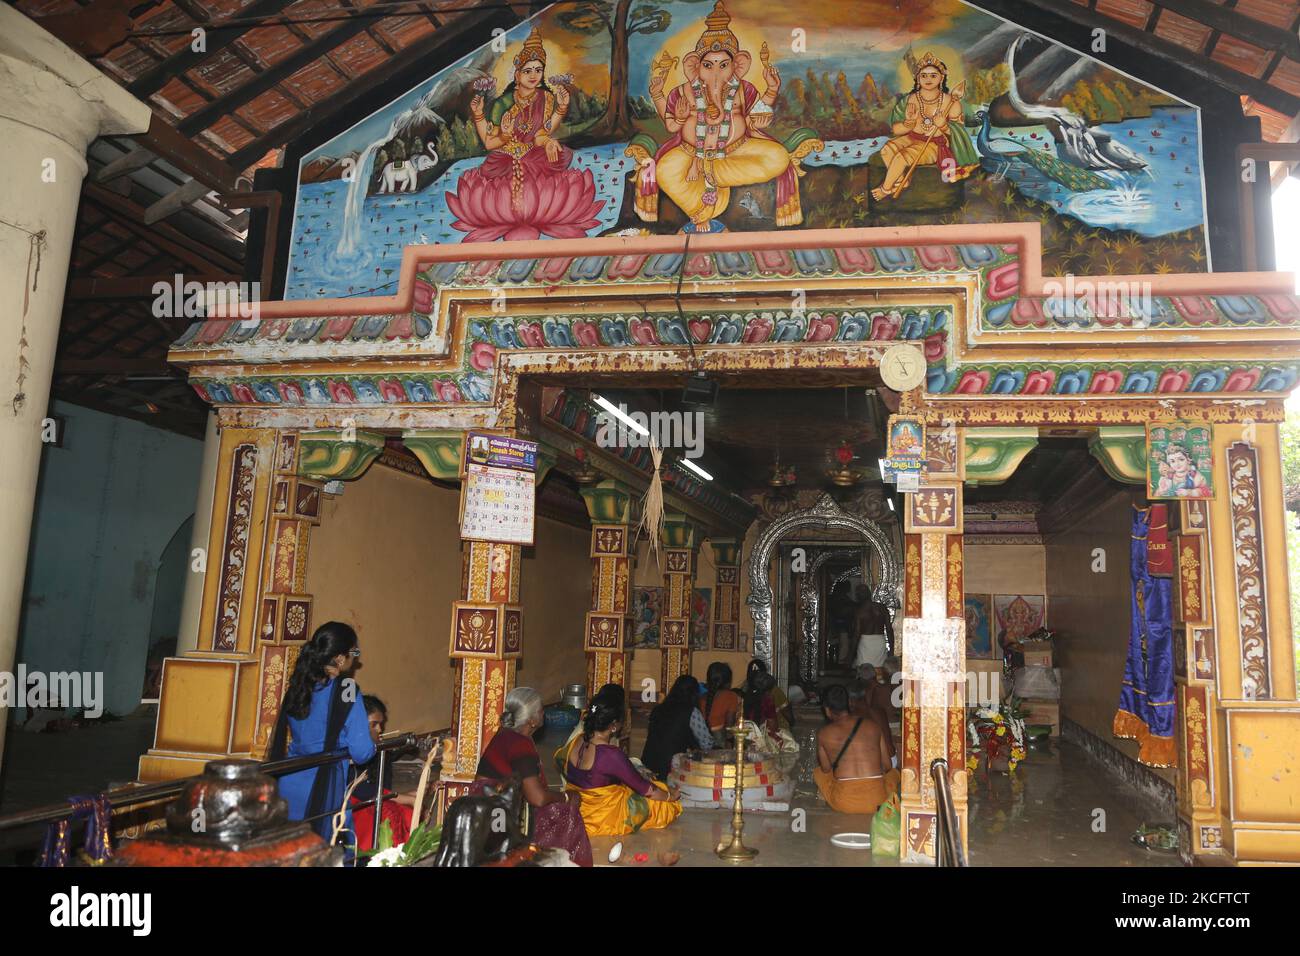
(187, 637)
(52, 105)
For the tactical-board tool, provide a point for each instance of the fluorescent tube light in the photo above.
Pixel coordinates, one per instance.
(620, 415)
(697, 469)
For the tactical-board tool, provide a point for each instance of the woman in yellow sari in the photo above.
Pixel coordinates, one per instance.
(616, 798)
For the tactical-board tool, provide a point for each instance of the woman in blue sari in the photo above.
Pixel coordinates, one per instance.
(322, 712)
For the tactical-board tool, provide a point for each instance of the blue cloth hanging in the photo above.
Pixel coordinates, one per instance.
(1146, 700)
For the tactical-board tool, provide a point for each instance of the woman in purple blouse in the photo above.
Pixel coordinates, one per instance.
(616, 798)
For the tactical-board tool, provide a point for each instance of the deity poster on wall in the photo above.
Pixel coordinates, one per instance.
(1018, 616)
(1180, 460)
(647, 608)
(701, 605)
(979, 626)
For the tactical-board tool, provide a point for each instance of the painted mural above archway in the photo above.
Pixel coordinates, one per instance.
(750, 115)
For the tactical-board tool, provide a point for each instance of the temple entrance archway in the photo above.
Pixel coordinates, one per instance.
(826, 514)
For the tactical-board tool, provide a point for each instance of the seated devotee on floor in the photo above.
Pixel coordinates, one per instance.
(853, 771)
(721, 704)
(397, 808)
(862, 703)
(676, 726)
(616, 797)
(758, 703)
(555, 818)
(611, 694)
(322, 712)
(780, 699)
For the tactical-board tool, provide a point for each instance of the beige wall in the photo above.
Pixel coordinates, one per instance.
(1090, 612)
(1006, 569)
(386, 559)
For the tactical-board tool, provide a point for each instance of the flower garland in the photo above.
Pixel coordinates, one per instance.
(997, 732)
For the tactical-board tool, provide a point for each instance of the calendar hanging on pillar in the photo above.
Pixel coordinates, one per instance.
(498, 489)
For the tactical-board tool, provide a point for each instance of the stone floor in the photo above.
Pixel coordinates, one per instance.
(1043, 817)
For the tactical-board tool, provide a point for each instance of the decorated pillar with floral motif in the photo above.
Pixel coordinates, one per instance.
(608, 627)
(1244, 712)
(681, 541)
(487, 626)
(725, 629)
(934, 662)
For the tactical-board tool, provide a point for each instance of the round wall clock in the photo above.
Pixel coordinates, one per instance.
(902, 367)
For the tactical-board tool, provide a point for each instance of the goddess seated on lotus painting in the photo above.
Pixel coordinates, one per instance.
(525, 188)
(716, 119)
(928, 130)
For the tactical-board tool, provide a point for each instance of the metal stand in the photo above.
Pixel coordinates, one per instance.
(736, 851)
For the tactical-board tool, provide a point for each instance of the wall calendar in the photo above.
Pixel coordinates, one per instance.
(498, 492)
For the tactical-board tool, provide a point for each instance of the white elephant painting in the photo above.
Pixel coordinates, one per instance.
(402, 175)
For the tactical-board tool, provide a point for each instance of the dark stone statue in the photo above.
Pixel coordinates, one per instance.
(482, 829)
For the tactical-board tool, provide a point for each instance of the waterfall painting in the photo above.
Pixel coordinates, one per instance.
(716, 115)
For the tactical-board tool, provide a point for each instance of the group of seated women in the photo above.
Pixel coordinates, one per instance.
(604, 792)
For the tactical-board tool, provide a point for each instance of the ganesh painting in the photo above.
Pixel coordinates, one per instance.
(609, 118)
(716, 120)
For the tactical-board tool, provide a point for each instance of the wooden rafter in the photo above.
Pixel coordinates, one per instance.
(417, 51)
(1167, 50)
(202, 258)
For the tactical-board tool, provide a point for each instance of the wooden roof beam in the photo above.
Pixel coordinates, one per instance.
(128, 162)
(309, 53)
(187, 156)
(1171, 52)
(84, 288)
(1236, 24)
(217, 39)
(175, 201)
(113, 366)
(363, 84)
(204, 259)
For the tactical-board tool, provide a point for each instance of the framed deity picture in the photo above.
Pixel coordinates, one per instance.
(1016, 616)
(979, 627)
(906, 438)
(647, 608)
(1180, 460)
(701, 605)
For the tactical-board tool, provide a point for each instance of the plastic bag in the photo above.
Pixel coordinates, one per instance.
(1039, 683)
(886, 828)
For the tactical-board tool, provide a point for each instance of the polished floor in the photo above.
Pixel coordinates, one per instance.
(1059, 809)
(1047, 815)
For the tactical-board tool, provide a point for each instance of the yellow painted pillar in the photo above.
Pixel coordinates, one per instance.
(725, 628)
(681, 541)
(209, 703)
(1244, 663)
(223, 697)
(608, 627)
(934, 662)
(487, 626)
(487, 630)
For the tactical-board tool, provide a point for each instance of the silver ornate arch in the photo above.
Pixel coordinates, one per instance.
(810, 605)
(828, 515)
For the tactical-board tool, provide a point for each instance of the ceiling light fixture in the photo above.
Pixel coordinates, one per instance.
(622, 416)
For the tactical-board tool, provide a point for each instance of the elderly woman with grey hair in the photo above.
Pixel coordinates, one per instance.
(556, 820)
